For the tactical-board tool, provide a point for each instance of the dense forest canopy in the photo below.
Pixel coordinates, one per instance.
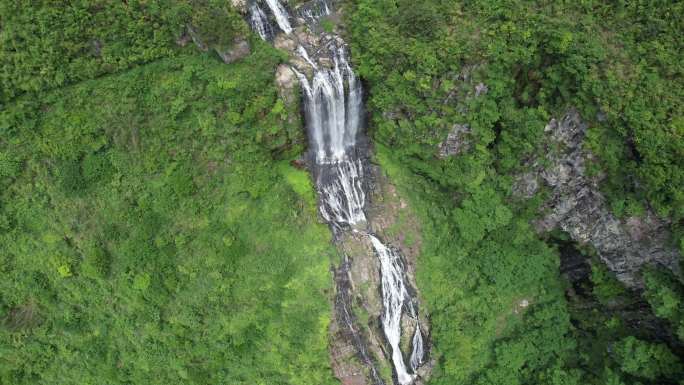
(620, 65)
(154, 230)
(141, 216)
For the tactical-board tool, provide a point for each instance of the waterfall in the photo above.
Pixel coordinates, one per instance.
(259, 22)
(417, 354)
(314, 10)
(333, 116)
(281, 16)
(305, 55)
(333, 107)
(343, 198)
(394, 295)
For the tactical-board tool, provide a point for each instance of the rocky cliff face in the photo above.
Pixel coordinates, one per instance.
(577, 206)
(238, 50)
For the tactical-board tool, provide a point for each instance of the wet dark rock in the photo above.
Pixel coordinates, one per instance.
(349, 354)
(629, 306)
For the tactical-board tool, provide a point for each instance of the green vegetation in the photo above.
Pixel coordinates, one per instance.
(620, 65)
(482, 330)
(48, 44)
(216, 22)
(606, 286)
(327, 26)
(152, 232)
(665, 294)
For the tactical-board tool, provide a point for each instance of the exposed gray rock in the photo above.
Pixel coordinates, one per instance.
(481, 89)
(97, 47)
(240, 5)
(357, 348)
(287, 82)
(527, 185)
(183, 39)
(285, 42)
(464, 89)
(577, 207)
(237, 51)
(196, 38)
(456, 141)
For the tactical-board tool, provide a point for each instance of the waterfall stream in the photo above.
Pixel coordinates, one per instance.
(259, 22)
(333, 105)
(281, 16)
(394, 297)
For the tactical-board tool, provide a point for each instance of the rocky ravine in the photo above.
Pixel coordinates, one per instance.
(393, 220)
(376, 325)
(577, 207)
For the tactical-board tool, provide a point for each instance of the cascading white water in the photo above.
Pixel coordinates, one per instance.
(305, 55)
(281, 16)
(314, 10)
(343, 199)
(259, 22)
(334, 110)
(417, 354)
(394, 295)
(333, 116)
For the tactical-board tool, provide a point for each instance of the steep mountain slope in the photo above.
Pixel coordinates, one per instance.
(469, 110)
(153, 231)
(469, 192)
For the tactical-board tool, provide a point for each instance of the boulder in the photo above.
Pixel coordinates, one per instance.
(285, 42)
(239, 50)
(287, 82)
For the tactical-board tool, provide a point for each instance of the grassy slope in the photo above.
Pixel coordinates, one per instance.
(147, 235)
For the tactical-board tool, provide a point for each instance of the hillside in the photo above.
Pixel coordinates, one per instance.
(342, 192)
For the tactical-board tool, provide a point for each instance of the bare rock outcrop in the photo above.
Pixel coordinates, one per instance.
(240, 5)
(577, 207)
(237, 51)
(287, 83)
(455, 142)
(465, 88)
